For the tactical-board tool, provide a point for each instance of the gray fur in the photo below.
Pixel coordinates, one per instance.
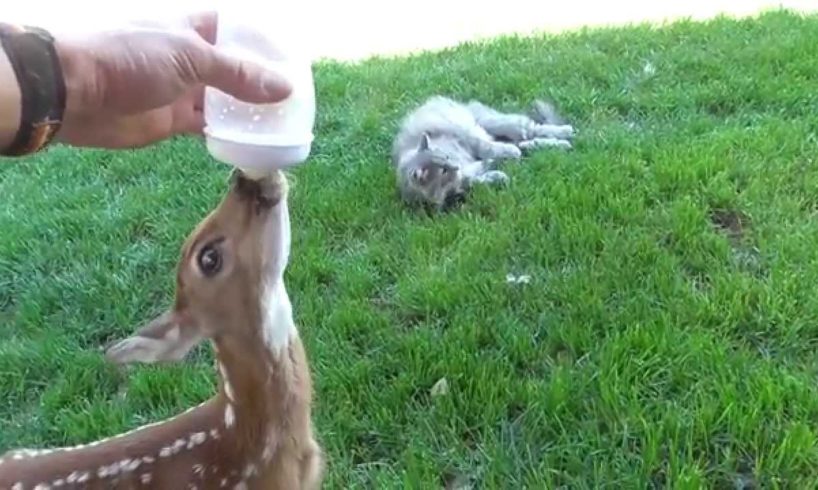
(444, 146)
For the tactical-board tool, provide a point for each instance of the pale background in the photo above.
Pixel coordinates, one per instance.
(353, 29)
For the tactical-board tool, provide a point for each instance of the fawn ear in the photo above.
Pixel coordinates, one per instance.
(165, 338)
(424, 142)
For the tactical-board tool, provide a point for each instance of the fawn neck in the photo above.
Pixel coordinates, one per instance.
(261, 362)
(261, 382)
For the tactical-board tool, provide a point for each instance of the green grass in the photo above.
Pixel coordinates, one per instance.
(666, 339)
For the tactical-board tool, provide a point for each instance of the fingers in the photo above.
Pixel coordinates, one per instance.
(243, 79)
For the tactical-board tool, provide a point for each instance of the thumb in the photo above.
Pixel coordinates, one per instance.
(243, 79)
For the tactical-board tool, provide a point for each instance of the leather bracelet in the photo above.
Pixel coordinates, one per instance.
(34, 59)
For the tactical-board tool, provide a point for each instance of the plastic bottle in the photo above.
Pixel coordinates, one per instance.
(261, 137)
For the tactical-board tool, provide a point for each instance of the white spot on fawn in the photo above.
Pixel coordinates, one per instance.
(269, 444)
(102, 472)
(214, 433)
(250, 470)
(42, 486)
(223, 483)
(145, 478)
(59, 483)
(229, 416)
(196, 439)
(178, 445)
(240, 486)
(165, 452)
(228, 390)
(83, 477)
(148, 459)
(198, 469)
(17, 486)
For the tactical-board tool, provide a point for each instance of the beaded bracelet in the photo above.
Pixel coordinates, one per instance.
(39, 74)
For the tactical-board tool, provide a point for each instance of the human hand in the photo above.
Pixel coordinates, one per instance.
(135, 86)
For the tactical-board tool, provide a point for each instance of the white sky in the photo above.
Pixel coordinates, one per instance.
(351, 29)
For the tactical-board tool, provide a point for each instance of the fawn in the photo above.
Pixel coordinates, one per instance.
(256, 432)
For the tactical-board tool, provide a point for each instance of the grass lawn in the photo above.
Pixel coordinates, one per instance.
(667, 336)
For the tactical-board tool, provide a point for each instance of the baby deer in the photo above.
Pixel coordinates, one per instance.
(256, 432)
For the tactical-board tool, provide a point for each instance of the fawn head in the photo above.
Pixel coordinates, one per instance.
(237, 251)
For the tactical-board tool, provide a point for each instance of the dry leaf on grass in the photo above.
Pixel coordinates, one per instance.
(441, 388)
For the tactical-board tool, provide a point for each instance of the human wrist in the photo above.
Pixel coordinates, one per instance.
(79, 74)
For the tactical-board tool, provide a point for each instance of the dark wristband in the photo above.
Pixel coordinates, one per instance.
(34, 59)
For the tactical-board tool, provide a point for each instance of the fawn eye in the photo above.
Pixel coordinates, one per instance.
(210, 260)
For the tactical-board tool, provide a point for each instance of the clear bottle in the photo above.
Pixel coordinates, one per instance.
(260, 137)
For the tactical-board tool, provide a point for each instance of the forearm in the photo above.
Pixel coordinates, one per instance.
(10, 103)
